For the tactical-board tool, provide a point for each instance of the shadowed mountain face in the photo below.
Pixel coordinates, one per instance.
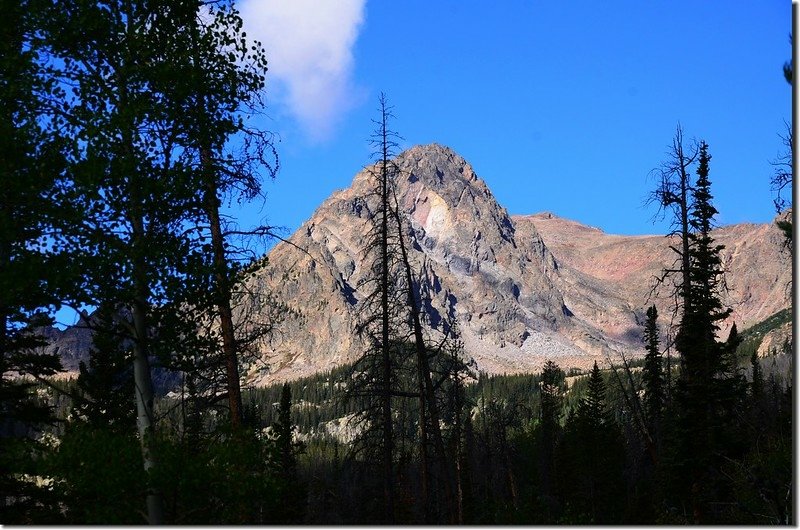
(524, 289)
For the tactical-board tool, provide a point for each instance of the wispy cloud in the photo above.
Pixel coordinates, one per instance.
(309, 46)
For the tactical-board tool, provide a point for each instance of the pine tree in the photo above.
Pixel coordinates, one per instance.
(551, 394)
(709, 388)
(592, 456)
(653, 372)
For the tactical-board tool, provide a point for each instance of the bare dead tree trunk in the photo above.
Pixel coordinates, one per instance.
(386, 390)
(683, 205)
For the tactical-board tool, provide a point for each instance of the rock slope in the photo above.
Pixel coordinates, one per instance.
(608, 280)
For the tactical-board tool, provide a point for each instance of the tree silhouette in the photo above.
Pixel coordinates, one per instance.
(34, 267)
(783, 174)
(709, 387)
(129, 178)
(223, 78)
(375, 379)
(674, 194)
(106, 382)
(592, 456)
(549, 426)
(653, 371)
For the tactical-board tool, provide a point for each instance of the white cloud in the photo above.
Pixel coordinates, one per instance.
(309, 45)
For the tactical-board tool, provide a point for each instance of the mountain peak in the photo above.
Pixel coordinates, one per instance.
(438, 156)
(431, 149)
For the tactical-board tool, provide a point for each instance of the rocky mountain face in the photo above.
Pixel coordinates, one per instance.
(524, 289)
(608, 280)
(71, 345)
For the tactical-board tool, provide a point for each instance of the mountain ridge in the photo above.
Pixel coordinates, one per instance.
(524, 288)
(515, 286)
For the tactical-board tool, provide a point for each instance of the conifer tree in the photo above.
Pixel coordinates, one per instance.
(590, 474)
(592, 408)
(284, 432)
(375, 372)
(653, 372)
(398, 363)
(709, 387)
(551, 394)
(292, 492)
(106, 382)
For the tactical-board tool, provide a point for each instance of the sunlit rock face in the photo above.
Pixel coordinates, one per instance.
(524, 289)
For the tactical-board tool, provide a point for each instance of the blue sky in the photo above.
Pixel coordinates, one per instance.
(559, 107)
(564, 109)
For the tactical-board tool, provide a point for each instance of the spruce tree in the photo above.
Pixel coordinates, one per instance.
(291, 491)
(548, 429)
(284, 433)
(653, 371)
(709, 388)
(592, 408)
(105, 383)
(592, 457)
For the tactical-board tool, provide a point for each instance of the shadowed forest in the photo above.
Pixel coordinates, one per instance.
(127, 137)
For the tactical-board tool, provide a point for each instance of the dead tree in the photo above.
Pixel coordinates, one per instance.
(374, 378)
